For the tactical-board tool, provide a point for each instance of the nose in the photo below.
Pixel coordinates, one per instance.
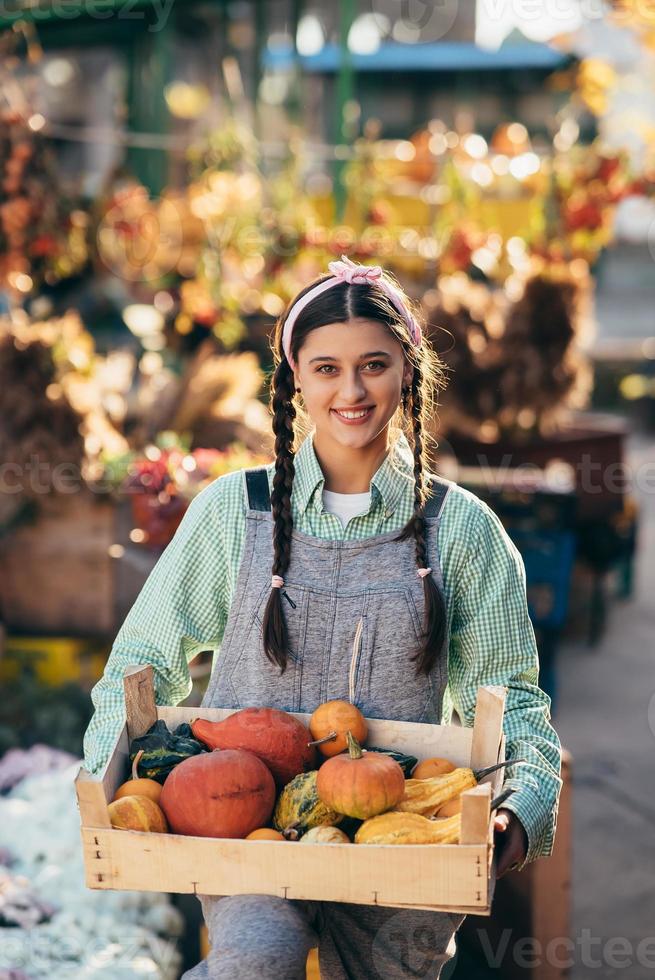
(353, 389)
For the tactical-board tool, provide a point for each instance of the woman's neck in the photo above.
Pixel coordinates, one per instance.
(350, 470)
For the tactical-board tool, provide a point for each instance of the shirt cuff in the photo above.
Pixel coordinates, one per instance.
(539, 825)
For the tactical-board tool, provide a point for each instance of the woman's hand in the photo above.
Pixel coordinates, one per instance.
(510, 840)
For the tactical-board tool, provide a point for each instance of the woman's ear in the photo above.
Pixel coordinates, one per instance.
(408, 375)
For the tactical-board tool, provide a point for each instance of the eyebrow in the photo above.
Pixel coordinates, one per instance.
(371, 353)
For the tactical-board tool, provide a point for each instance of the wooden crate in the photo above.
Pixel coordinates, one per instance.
(57, 574)
(449, 877)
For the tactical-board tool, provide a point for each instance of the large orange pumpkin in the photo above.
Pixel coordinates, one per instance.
(330, 724)
(360, 784)
(276, 737)
(218, 794)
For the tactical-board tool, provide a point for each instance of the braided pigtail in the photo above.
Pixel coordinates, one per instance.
(435, 609)
(273, 627)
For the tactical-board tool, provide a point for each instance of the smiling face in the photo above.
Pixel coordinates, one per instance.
(351, 376)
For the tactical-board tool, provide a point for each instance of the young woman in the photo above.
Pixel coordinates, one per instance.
(346, 570)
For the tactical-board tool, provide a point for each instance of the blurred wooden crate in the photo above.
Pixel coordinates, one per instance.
(57, 574)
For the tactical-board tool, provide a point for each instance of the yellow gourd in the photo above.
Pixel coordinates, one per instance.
(408, 828)
(426, 796)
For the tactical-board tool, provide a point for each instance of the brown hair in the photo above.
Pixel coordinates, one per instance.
(338, 305)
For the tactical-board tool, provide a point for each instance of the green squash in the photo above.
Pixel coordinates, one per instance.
(299, 808)
(406, 762)
(163, 750)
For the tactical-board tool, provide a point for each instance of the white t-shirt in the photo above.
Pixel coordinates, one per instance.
(346, 505)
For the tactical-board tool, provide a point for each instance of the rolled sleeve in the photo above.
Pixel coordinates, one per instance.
(179, 612)
(492, 642)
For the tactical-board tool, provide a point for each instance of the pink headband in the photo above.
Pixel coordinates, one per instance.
(348, 271)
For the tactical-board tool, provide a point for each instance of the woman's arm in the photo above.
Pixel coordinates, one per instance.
(179, 612)
(493, 642)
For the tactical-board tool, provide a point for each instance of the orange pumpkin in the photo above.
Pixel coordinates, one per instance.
(330, 723)
(139, 787)
(265, 833)
(435, 766)
(450, 808)
(137, 813)
(224, 793)
(360, 784)
(276, 737)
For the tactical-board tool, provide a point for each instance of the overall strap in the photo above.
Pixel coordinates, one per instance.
(257, 492)
(439, 489)
(259, 498)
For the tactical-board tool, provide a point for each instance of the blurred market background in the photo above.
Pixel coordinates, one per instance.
(172, 173)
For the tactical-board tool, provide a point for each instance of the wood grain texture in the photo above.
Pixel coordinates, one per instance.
(140, 707)
(475, 814)
(422, 741)
(416, 875)
(487, 726)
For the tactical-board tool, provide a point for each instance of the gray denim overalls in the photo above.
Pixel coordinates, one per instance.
(354, 611)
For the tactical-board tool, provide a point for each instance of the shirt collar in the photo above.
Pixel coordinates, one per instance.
(394, 476)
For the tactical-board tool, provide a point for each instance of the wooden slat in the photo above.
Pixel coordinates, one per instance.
(450, 876)
(91, 800)
(475, 814)
(450, 741)
(96, 845)
(487, 726)
(140, 707)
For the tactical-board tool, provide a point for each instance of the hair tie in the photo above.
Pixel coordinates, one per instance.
(422, 572)
(348, 271)
(277, 582)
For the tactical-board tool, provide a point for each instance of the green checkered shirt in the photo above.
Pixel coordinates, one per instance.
(183, 608)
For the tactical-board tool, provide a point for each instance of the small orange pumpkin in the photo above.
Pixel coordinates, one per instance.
(360, 784)
(450, 808)
(139, 787)
(434, 766)
(330, 723)
(137, 813)
(265, 833)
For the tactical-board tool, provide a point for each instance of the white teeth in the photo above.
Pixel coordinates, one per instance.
(353, 415)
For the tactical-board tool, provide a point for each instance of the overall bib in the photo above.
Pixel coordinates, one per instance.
(354, 613)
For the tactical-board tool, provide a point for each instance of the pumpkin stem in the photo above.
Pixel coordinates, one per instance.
(326, 738)
(291, 832)
(135, 764)
(354, 748)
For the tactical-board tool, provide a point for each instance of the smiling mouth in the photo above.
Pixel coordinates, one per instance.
(353, 413)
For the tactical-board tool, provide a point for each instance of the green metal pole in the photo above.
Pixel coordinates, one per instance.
(150, 65)
(345, 89)
(261, 35)
(295, 102)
